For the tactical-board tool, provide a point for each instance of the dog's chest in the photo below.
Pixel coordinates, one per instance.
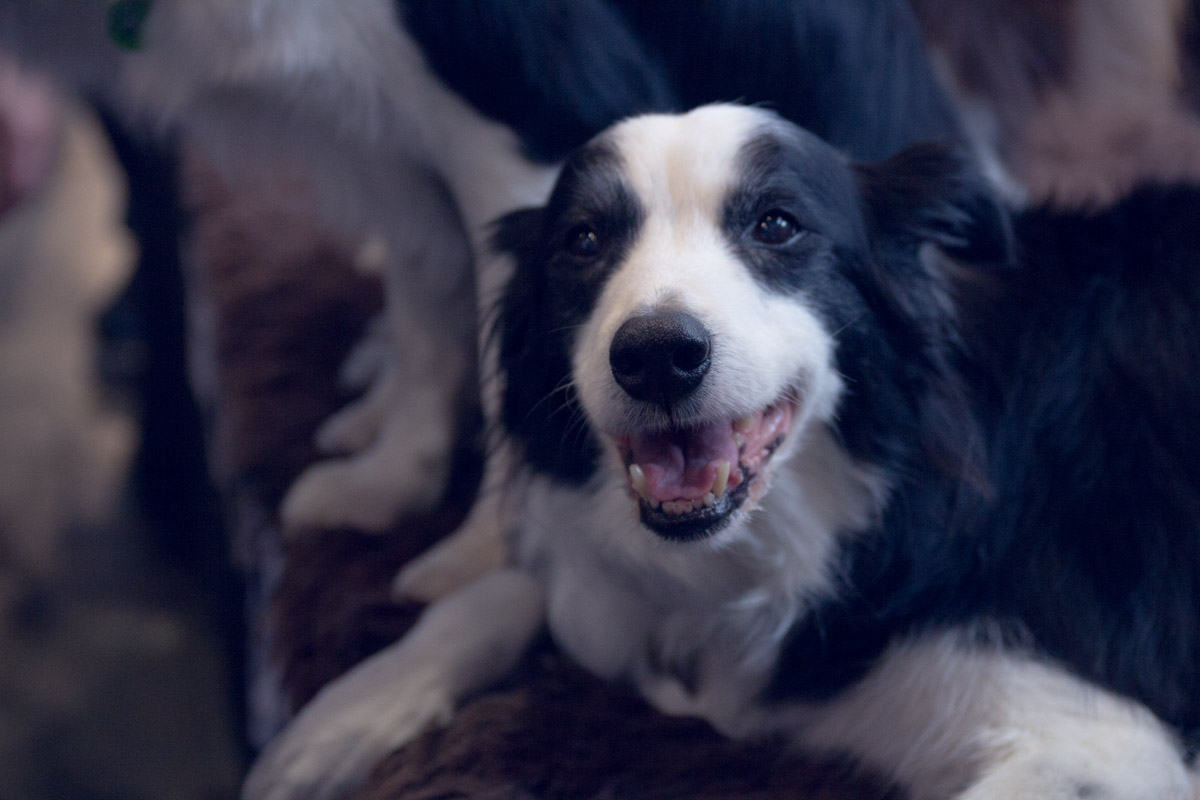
(700, 649)
(695, 626)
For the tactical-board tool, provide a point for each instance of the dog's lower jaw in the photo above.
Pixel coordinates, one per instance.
(690, 482)
(701, 523)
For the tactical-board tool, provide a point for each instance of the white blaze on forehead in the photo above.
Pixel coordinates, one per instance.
(682, 170)
(677, 164)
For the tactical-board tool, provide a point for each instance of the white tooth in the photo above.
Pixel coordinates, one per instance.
(637, 479)
(710, 500)
(718, 487)
(744, 424)
(738, 439)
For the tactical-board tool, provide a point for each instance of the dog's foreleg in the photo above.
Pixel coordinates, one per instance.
(475, 548)
(400, 433)
(488, 177)
(459, 646)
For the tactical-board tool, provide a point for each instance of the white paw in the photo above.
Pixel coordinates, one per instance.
(331, 747)
(356, 426)
(403, 470)
(476, 548)
(368, 492)
(370, 356)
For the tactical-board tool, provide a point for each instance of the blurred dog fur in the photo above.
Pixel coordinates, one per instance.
(1080, 99)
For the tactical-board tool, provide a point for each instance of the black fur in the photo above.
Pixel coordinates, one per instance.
(1087, 547)
(555, 71)
(547, 299)
(854, 72)
(858, 261)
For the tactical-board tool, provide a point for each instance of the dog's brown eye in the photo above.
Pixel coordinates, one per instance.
(776, 227)
(582, 242)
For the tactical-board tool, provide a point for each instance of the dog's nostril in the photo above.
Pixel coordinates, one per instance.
(690, 355)
(625, 361)
(660, 357)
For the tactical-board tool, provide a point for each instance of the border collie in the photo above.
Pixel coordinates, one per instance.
(812, 458)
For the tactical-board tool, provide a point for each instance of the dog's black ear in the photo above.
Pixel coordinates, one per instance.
(931, 194)
(934, 193)
(539, 407)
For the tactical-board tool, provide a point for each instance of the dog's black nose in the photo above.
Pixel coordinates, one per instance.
(660, 357)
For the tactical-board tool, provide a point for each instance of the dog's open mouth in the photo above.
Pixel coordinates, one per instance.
(689, 481)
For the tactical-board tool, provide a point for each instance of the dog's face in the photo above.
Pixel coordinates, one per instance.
(703, 288)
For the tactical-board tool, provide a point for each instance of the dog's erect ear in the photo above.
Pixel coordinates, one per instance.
(539, 407)
(933, 193)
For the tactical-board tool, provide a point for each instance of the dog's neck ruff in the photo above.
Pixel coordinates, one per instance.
(622, 601)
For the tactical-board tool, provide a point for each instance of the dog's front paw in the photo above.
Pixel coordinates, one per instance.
(368, 492)
(331, 747)
(404, 469)
(396, 440)
(370, 368)
(476, 548)
(356, 426)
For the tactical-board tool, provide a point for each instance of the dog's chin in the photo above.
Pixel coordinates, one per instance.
(690, 482)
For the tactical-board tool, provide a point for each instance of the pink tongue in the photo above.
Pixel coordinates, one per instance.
(682, 464)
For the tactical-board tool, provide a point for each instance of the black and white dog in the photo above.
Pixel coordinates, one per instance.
(813, 458)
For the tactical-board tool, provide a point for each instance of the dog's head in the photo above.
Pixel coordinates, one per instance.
(702, 289)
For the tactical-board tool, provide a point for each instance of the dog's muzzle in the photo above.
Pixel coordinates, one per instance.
(688, 477)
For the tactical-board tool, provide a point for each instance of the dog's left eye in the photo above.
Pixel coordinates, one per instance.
(776, 227)
(582, 242)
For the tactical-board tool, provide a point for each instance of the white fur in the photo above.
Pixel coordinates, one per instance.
(614, 590)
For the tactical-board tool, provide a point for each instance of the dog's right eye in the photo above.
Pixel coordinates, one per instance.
(775, 228)
(582, 242)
